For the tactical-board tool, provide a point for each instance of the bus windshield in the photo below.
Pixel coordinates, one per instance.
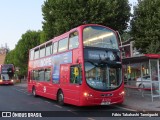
(103, 77)
(4, 77)
(97, 36)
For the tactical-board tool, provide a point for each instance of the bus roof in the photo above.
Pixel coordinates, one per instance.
(66, 33)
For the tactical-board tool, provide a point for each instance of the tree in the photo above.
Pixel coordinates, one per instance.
(10, 57)
(154, 47)
(19, 56)
(62, 15)
(146, 26)
(126, 36)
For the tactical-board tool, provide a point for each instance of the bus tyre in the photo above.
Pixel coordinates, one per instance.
(60, 98)
(34, 92)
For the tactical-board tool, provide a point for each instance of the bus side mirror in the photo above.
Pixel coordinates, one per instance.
(76, 71)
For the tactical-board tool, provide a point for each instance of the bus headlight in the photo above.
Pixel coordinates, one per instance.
(122, 93)
(0, 80)
(12, 80)
(87, 94)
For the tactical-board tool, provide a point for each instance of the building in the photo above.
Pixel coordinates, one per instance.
(141, 71)
(3, 52)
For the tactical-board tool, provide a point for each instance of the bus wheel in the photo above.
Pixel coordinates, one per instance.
(60, 98)
(34, 91)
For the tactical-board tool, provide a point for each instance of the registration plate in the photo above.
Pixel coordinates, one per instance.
(105, 103)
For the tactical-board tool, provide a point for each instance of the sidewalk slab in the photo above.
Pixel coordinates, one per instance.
(140, 103)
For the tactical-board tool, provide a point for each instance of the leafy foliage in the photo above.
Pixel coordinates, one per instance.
(63, 15)
(10, 57)
(126, 35)
(153, 47)
(146, 26)
(19, 56)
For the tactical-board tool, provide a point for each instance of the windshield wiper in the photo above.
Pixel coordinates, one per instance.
(92, 63)
(99, 64)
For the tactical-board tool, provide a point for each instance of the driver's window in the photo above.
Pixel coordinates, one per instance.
(75, 75)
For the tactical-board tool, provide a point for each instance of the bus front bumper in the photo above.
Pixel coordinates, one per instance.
(88, 101)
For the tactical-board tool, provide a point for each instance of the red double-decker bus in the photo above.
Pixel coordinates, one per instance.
(80, 67)
(6, 74)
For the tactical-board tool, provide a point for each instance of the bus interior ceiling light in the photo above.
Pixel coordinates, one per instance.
(100, 37)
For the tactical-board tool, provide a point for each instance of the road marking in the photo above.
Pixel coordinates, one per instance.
(73, 112)
(58, 106)
(91, 119)
(125, 108)
(25, 92)
(47, 101)
(23, 89)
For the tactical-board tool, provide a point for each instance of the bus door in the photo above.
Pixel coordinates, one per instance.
(72, 79)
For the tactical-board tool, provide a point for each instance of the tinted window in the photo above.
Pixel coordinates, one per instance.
(55, 45)
(42, 52)
(36, 54)
(75, 78)
(31, 54)
(47, 74)
(49, 49)
(41, 75)
(32, 75)
(35, 74)
(97, 36)
(63, 45)
(73, 40)
(103, 77)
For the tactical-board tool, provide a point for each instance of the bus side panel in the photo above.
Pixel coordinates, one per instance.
(50, 90)
(71, 91)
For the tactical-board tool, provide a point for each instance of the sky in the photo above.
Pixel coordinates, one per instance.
(18, 16)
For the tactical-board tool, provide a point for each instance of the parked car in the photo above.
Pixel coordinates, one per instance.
(145, 82)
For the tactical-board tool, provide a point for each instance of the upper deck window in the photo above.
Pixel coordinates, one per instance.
(36, 54)
(42, 51)
(97, 36)
(73, 40)
(48, 49)
(63, 45)
(31, 54)
(55, 45)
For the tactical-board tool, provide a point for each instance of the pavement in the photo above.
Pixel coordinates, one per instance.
(141, 102)
(133, 100)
